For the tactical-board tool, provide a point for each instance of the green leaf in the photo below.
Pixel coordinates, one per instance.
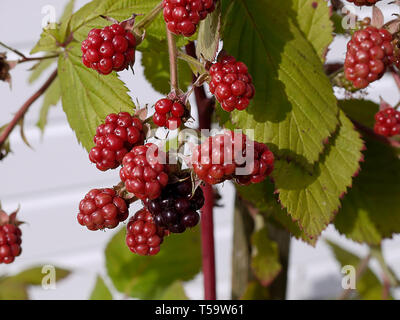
(39, 68)
(47, 42)
(88, 97)
(313, 199)
(371, 210)
(51, 98)
(368, 285)
(12, 290)
(149, 277)
(68, 10)
(265, 261)
(100, 291)
(209, 35)
(362, 111)
(255, 291)
(34, 276)
(174, 292)
(294, 109)
(313, 17)
(155, 61)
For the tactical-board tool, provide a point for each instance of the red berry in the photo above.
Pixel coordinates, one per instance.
(10, 242)
(170, 113)
(363, 2)
(369, 53)
(108, 49)
(102, 208)
(231, 84)
(143, 173)
(114, 139)
(232, 156)
(143, 236)
(387, 122)
(183, 16)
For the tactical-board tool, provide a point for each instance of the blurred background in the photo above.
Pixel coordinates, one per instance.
(49, 181)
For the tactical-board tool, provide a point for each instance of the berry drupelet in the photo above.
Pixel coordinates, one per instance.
(170, 113)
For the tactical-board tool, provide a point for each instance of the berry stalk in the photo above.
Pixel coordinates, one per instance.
(205, 107)
(25, 107)
(173, 54)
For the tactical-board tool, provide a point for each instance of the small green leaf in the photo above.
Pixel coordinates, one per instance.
(255, 291)
(68, 10)
(47, 42)
(34, 276)
(12, 290)
(209, 36)
(88, 97)
(371, 210)
(265, 261)
(51, 97)
(174, 292)
(149, 277)
(313, 199)
(39, 68)
(101, 291)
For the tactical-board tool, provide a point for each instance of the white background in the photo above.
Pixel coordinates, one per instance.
(49, 181)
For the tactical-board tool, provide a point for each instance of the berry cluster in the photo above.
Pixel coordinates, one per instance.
(170, 113)
(363, 2)
(183, 16)
(176, 208)
(231, 83)
(232, 156)
(102, 208)
(10, 243)
(369, 52)
(142, 172)
(114, 139)
(108, 49)
(143, 235)
(387, 122)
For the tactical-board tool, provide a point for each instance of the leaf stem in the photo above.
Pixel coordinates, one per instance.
(25, 58)
(25, 107)
(173, 61)
(150, 17)
(190, 60)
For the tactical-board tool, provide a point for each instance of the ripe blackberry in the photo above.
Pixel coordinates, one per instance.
(232, 156)
(176, 208)
(108, 49)
(364, 2)
(102, 208)
(183, 16)
(10, 242)
(114, 139)
(387, 122)
(143, 235)
(231, 84)
(170, 113)
(143, 173)
(369, 53)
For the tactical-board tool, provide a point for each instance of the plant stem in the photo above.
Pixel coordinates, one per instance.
(21, 112)
(150, 17)
(173, 61)
(25, 58)
(205, 107)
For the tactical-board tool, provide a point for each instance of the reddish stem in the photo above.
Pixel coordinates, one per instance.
(205, 107)
(25, 107)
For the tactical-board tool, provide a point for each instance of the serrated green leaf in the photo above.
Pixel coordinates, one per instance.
(209, 36)
(47, 42)
(51, 97)
(313, 17)
(34, 276)
(265, 257)
(39, 68)
(150, 277)
(371, 210)
(368, 285)
(313, 199)
(64, 20)
(155, 61)
(174, 292)
(294, 109)
(88, 97)
(255, 291)
(100, 291)
(362, 111)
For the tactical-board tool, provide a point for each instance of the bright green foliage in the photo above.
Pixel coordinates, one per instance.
(294, 109)
(313, 199)
(174, 292)
(150, 277)
(255, 291)
(88, 97)
(39, 68)
(51, 97)
(101, 291)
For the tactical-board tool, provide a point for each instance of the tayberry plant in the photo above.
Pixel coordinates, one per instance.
(291, 131)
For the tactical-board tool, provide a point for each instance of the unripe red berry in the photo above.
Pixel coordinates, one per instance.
(10, 242)
(170, 113)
